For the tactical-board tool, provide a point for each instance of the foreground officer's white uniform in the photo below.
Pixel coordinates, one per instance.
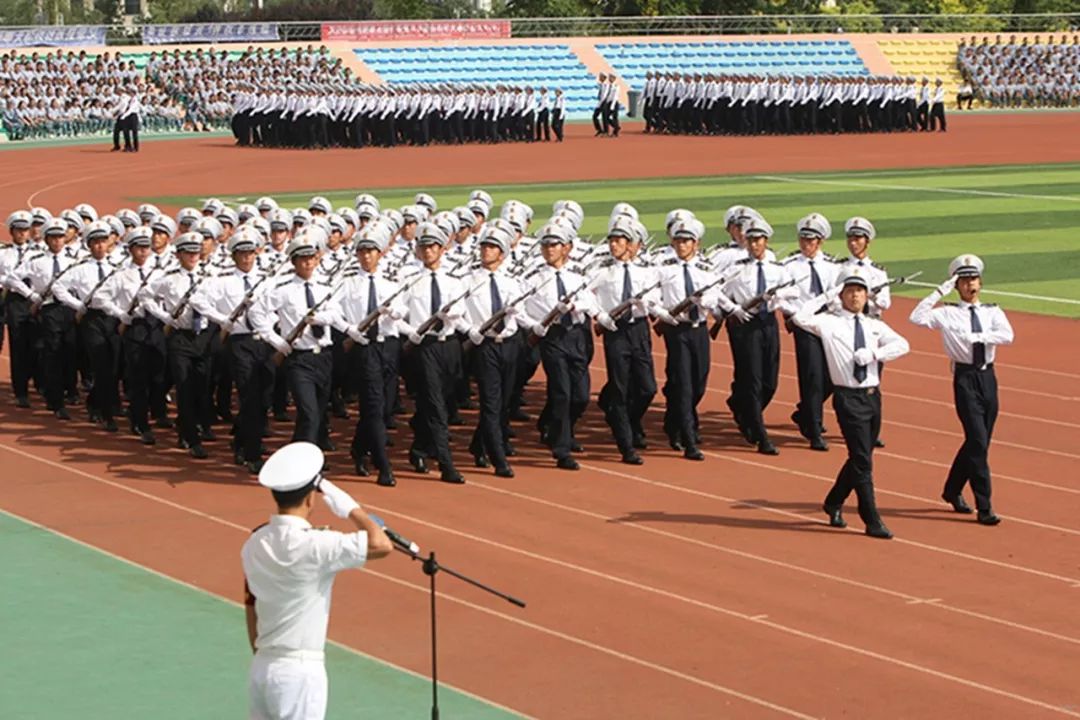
(289, 568)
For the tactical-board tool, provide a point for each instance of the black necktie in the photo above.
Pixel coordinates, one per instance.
(688, 286)
(55, 265)
(815, 281)
(100, 272)
(496, 304)
(316, 330)
(196, 316)
(764, 306)
(860, 342)
(436, 301)
(627, 286)
(566, 321)
(372, 306)
(142, 276)
(978, 350)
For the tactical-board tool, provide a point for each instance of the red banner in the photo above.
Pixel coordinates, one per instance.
(415, 30)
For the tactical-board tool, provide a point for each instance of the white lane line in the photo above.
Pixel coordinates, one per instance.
(569, 638)
(913, 188)
(233, 603)
(1025, 296)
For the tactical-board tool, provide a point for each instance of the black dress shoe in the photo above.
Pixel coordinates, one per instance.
(959, 505)
(164, 423)
(520, 416)
(418, 463)
(182, 444)
(765, 447)
(511, 451)
(504, 471)
(386, 478)
(481, 461)
(207, 435)
(62, 414)
(575, 446)
(328, 445)
(639, 443)
(632, 458)
(836, 517)
(238, 457)
(567, 463)
(451, 475)
(22, 401)
(879, 443)
(747, 435)
(878, 530)
(692, 453)
(361, 467)
(110, 426)
(675, 445)
(255, 466)
(819, 444)
(198, 452)
(147, 438)
(987, 517)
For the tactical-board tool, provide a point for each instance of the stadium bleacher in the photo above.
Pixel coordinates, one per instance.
(919, 58)
(791, 57)
(554, 66)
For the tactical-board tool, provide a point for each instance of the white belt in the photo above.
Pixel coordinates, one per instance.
(275, 652)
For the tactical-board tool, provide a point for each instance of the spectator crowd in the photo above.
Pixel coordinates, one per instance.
(1021, 73)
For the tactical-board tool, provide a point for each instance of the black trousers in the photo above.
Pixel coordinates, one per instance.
(557, 121)
(369, 366)
(189, 367)
(543, 125)
(631, 380)
(756, 346)
(495, 367)
(252, 371)
(309, 381)
(975, 394)
(937, 115)
(815, 387)
(436, 367)
(599, 118)
(102, 344)
(131, 132)
(687, 371)
(22, 334)
(144, 371)
(858, 410)
(58, 349)
(564, 353)
(528, 362)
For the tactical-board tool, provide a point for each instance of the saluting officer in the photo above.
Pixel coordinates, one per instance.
(497, 347)
(22, 330)
(624, 282)
(971, 331)
(813, 271)
(749, 298)
(559, 314)
(436, 361)
(300, 304)
(854, 344)
(374, 355)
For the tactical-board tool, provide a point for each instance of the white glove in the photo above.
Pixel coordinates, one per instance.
(638, 303)
(605, 320)
(864, 356)
(741, 314)
(281, 346)
(414, 338)
(324, 318)
(35, 299)
(444, 316)
(512, 311)
(540, 329)
(975, 337)
(946, 287)
(80, 309)
(564, 308)
(358, 337)
(475, 336)
(664, 315)
(339, 501)
(389, 310)
(125, 319)
(226, 326)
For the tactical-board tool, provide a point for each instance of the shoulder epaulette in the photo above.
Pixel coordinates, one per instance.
(875, 265)
(260, 527)
(989, 304)
(174, 271)
(532, 272)
(827, 256)
(951, 304)
(228, 273)
(283, 283)
(774, 262)
(606, 264)
(744, 261)
(794, 253)
(702, 265)
(671, 261)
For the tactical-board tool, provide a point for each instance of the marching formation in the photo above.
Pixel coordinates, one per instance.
(696, 104)
(333, 307)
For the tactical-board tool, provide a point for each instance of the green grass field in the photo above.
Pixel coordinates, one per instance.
(1024, 221)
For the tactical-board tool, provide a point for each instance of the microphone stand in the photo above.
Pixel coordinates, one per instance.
(431, 568)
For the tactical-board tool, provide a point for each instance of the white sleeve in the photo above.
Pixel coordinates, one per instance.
(337, 551)
(1000, 331)
(925, 314)
(891, 345)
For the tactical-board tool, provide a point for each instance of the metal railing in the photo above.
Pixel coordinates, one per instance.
(711, 25)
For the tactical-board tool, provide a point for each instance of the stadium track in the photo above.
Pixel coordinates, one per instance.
(701, 590)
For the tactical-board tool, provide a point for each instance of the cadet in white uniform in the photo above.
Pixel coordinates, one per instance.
(289, 572)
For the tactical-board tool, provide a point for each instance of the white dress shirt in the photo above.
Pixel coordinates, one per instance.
(742, 285)
(798, 268)
(418, 302)
(353, 303)
(124, 287)
(218, 297)
(41, 273)
(837, 333)
(954, 322)
(286, 305)
(289, 568)
(875, 276)
(544, 300)
(75, 286)
(608, 286)
(478, 305)
(162, 296)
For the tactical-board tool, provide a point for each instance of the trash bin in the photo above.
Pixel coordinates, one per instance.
(633, 99)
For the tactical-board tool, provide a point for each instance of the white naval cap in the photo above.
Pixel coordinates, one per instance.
(164, 224)
(554, 234)
(336, 222)
(855, 276)
(482, 196)
(571, 205)
(40, 215)
(757, 227)
(301, 217)
(266, 204)
(367, 210)
(246, 239)
(114, 224)
(147, 211)
(479, 207)
(97, 230)
(260, 225)
(281, 219)
(412, 214)
(447, 222)
(627, 227)
(691, 229)
(246, 211)
(675, 216)
(814, 225)
(967, 265)
(20, 220)
(431, 234)
(349, 216)
(208, 227)
(366, 199)
(227, 215)
(188, 242)
(303, 245)
(620, 209)
(210, 205)
(187, 216)
(73, 219)
(394, 218)
(375, 236)
(860, 226)
(86, 212)
(321, 204)
(427, 201)
(292, 467)
(517, 208)
(139, 236)
(129, 217)
(497, 235)
(465, 216)
(54, 226)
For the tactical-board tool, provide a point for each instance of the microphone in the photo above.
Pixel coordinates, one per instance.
(403, 543)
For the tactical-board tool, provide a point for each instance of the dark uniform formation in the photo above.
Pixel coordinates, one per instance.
(232, 311)
(725, 104)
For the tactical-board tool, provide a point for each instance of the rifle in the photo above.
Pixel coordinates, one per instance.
(374, 315)
(182, 304)
(135, 298)
(492, 321)
(90, 295)
(242, 308)
(431, 322)
(752, 303)
(686, 302)
(47, 293)
(301, 326)
(622, 308)
(554, 314)
(895, 281)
